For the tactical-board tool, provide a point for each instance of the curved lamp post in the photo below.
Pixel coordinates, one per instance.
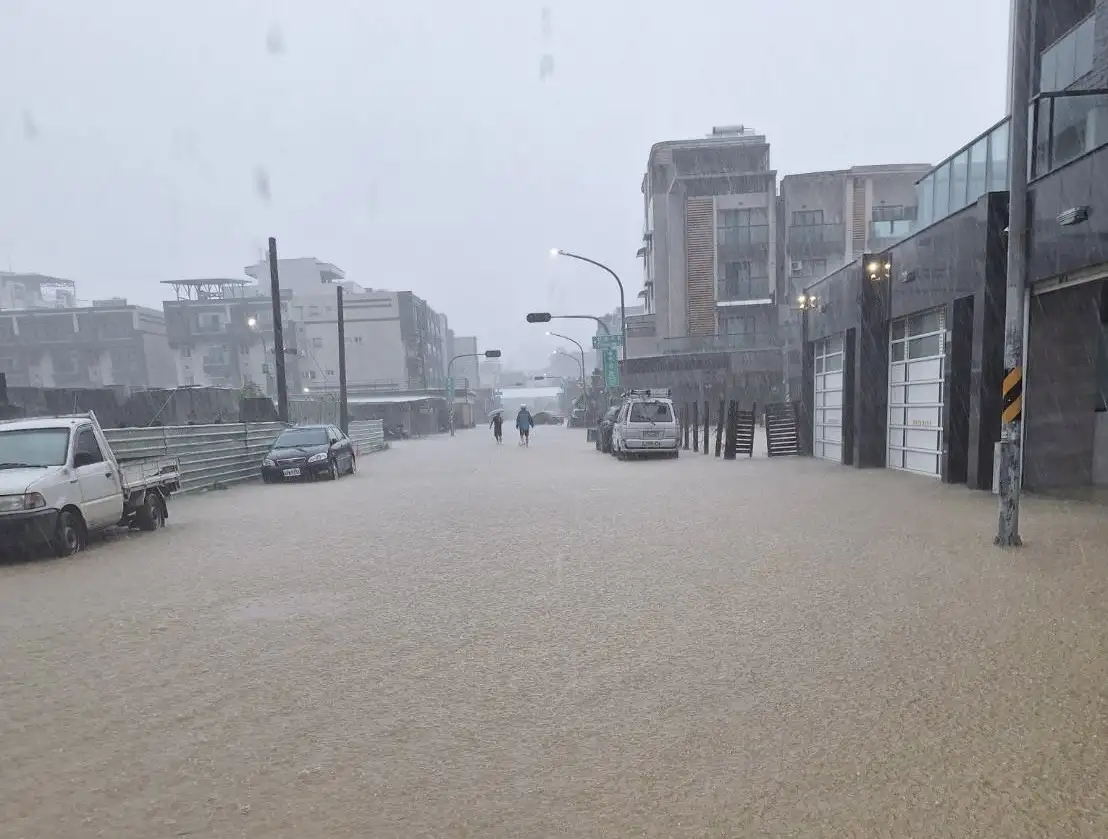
(556, 252)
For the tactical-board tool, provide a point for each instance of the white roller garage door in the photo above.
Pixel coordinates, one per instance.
(917, 366)
(827, 422)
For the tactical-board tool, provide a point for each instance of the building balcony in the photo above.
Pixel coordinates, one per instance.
(714, 343)
(884, 234)
(816, 240)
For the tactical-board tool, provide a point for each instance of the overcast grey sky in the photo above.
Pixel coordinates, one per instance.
(416, 144)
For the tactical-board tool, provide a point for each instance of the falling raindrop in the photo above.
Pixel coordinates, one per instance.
(261, 184)
(30, 127)
(546, 67)
(546, 21)
(275, 40)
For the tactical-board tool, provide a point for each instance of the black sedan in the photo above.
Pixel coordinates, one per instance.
(308, 452)
(604, 430)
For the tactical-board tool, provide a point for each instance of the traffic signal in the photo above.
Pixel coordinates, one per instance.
(538, 317)
(492, 353)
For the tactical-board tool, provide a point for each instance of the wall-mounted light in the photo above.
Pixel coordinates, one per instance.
(879, 269)
(807, 301)
(1074, 215)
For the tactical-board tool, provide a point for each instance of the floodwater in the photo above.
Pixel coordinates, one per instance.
(467, 640)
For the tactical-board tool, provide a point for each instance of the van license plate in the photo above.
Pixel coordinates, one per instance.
(291, 473)
(653, 443)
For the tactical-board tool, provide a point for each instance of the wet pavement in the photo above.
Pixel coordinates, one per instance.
(468, 640)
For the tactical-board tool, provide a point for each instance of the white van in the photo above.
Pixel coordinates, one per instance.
(646, 425)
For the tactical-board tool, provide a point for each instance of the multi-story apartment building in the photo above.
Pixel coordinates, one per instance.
(36, 291)
(466, 368)
(107, 343)
(831, 218)
(394, 340)
(709, 245)
(221, 332)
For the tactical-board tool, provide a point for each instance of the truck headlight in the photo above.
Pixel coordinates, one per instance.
(11, 503)
(318, 458)
(268, 462)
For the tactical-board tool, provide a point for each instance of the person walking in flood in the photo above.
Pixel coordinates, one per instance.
(497, 426)
(524, 422)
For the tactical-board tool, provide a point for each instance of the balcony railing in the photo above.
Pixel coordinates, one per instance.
(817, 235)
(715, 343)
(749, 236)
(1066, 126)
(890, 231)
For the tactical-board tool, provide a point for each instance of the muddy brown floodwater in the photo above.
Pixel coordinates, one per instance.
(472, 641)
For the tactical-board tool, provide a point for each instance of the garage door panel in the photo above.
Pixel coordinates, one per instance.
(931, 392)
(827, 412)
(928, 464)
(916, 438)
(928, 370)
(923, 416)
(916, 369)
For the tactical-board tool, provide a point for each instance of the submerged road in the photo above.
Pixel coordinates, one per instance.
(466, 640)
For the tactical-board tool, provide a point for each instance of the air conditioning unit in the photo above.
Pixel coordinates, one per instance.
(796, 267)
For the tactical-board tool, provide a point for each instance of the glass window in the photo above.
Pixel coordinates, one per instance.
(33, 447)
(925, 193)
(807, 218)
(1040, 147)
(87, 447)
(1084, 47)
(927, 347)
(1048, 71)
(942, 192)
(959, 172)
(978, 161)
(998, 159)
(1068, 133)
(1066, 67)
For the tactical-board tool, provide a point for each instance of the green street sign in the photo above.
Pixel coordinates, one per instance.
(450, 391)
(611, 367)
(607, 342)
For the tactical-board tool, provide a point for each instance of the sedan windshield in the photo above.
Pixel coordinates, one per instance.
(297, 437)
(24, 447)
(651, 412)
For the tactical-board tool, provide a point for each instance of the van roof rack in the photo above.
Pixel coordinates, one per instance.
(650, 393)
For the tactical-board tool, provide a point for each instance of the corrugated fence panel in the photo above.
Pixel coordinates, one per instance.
(368, 435)
(223, 453)
(219, 454)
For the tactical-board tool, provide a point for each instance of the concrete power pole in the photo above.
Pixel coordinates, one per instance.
(344, 404)
(278, 335)
(1011, 431)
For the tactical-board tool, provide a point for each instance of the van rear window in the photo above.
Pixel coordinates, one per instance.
(651, 412)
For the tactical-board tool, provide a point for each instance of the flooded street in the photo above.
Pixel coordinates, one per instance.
(469, 641)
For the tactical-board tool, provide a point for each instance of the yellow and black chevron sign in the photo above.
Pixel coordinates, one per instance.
(1012, 395)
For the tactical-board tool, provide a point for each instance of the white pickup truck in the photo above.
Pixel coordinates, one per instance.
(60, 481)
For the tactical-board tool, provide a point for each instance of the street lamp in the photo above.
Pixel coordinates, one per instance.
(556, 252)
(584, 381)
(252, 324)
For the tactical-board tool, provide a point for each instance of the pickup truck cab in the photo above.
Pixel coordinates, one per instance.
(60, 481)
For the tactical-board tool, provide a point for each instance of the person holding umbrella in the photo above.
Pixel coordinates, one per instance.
(497, 425)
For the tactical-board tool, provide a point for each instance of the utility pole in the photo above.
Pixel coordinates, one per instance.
(344, 405)
(1011, 430)
(278, 335)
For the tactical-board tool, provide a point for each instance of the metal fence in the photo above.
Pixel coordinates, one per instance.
(368, 435)
(220, 454)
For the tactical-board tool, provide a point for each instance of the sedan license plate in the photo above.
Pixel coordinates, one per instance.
(291, 473)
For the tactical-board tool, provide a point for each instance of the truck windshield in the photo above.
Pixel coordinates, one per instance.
(651, 412)
(23, 447)
(295, 437)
